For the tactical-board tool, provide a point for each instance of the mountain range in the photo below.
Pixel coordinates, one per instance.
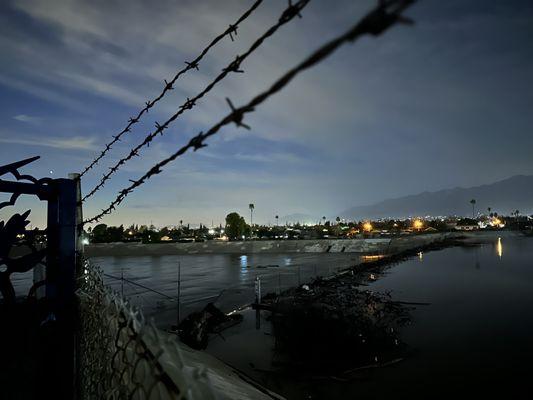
(503, 197)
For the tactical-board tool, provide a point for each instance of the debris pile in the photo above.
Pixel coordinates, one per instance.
(194, 330)
(332, 326)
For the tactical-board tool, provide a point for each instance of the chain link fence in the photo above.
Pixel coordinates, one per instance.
(122, 356)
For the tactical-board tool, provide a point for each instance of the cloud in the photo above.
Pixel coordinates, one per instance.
(102, 87)
(27, 118)
(73, 143)
(268, 157)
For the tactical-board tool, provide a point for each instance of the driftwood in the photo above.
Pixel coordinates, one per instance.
(195, 329)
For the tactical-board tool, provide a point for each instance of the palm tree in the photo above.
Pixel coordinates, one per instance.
(324, 219)
(489, 209)
(338, 219)
(473, 202)
(251, 207)
(277, 219)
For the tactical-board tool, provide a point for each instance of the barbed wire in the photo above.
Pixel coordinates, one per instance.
(230, 31)
(288, 14)
(377, 21)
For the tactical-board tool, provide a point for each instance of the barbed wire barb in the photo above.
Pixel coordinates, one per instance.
(169, 84)
(377, 21)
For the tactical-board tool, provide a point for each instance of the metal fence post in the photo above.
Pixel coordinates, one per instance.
(178, 318)
(62, 241)
(62, 244)
(258, 290)
(75, 177)
(79, 222)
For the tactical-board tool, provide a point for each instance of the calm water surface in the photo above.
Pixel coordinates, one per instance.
(227, 279)
(478, 330)
(475, 338)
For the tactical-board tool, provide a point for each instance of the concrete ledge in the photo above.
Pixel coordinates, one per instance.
(268, 246)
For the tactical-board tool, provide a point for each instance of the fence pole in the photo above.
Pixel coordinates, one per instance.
(258, 290)
(62, 235)
(78, 273)
(257, 301)
(179, 295)
(79, 223)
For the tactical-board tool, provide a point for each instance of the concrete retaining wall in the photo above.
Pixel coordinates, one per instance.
(371, 246)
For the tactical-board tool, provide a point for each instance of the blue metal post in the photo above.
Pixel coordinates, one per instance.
(61, 284)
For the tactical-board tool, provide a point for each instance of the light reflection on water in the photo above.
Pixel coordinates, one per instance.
(499, 247)
(243, 260)
(478, 322)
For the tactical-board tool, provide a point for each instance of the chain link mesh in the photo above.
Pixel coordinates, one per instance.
(122, 356)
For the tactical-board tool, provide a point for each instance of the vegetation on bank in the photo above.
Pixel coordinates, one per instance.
(236, 228)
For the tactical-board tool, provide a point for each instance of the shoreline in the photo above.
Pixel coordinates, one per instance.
(367, 246)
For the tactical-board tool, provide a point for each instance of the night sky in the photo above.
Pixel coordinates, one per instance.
(447, 102)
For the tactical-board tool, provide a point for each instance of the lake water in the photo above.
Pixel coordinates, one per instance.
(478, 330)
(474, 338)
(227, 279)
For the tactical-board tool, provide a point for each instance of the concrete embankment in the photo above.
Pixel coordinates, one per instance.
(368, 246)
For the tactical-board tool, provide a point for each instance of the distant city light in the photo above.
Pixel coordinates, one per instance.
(496, 222)
(85, 241)
(418, 224)
(372, 257)
(211, 231)
(367, 226)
